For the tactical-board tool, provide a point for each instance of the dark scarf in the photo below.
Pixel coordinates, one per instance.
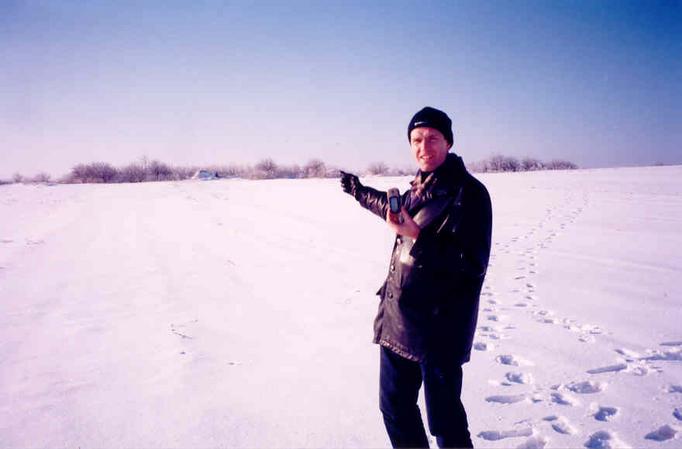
(426, 185)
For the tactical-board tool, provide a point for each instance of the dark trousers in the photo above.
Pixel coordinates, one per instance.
(400, 380)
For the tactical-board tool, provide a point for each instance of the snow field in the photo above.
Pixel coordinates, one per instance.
(239, 313)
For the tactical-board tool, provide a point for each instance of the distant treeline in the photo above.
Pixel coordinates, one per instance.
(146, 171)
(499, 163)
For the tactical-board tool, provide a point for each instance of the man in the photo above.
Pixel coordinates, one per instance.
(429, 302)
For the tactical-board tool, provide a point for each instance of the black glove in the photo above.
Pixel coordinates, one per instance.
(351, 184)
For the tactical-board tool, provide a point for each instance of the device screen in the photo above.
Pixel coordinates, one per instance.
(394, 203)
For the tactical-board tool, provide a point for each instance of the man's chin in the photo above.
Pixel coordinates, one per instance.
(428, 166)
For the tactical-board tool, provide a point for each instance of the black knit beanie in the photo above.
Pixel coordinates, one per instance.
(432, 118)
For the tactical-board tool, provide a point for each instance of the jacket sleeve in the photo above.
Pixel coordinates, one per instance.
(477, 230)
(374, 200)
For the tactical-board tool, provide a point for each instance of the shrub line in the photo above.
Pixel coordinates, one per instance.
(148, 171)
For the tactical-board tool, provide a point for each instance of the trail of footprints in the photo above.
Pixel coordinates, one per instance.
(496, 327)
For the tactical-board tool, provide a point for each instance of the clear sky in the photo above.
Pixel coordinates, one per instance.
(197, 82)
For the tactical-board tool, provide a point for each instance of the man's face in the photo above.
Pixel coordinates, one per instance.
(429, 148)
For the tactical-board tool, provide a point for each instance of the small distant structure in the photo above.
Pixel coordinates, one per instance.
(205, 175)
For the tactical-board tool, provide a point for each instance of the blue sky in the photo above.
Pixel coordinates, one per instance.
(594, 82)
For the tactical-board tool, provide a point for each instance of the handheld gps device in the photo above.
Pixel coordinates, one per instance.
(394, 205)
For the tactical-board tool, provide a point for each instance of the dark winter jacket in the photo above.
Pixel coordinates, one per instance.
(429, 301)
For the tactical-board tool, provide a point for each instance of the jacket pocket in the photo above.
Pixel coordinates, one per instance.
(413, 276)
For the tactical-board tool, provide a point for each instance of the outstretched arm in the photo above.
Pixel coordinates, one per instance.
(371, 199)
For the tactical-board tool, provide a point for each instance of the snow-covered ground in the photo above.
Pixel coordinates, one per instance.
(238, 314)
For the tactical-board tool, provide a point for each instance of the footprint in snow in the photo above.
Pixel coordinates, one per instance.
(519, 378)
(181, 329)
(571, 326)
(675, 389)
(663, 433)
(632, 365)
(495, 336)
(628, 354)
(512, 360)
(483, 346)
(561, 425)
(545, 316)
(605, 413)
(592, 329)
(586, 338)
(495, 435)
(677, 413)
(180, 334)
(674, 354)
(564, 399)
(507, 398)
(604, 439)
(586, 387)
(534, 442)
(491, 332)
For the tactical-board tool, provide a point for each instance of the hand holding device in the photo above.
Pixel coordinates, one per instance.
(407, 227)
